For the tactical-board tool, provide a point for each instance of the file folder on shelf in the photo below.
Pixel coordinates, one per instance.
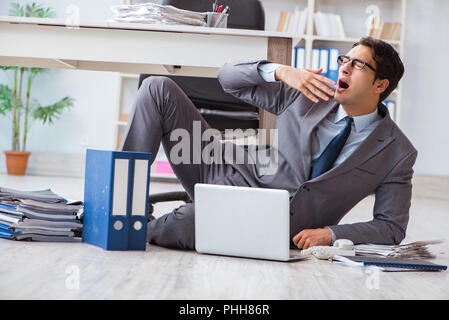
(333, 65)
(300, 57)
(116, 199)
(391, 106)
(324, 61)
(315, 59)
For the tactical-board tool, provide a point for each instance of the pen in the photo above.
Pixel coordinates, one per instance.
(221, 16)
(220, 8)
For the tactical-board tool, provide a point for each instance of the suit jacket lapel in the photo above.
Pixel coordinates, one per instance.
(379, 139)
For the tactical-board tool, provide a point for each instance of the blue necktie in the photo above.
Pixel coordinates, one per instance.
(333, 149)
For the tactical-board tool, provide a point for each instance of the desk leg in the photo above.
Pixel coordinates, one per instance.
(279, 51)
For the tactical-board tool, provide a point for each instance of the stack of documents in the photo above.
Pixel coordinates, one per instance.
(39, 216)
(414, 250)
(159, 14)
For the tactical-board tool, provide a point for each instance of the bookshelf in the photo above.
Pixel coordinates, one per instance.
(354, 14)
(126, 88)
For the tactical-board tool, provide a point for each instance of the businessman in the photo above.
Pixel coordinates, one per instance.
(336, 146)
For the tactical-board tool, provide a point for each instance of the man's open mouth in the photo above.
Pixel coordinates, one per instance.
(342, 85)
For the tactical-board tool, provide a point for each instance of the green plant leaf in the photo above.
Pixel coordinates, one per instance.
(36, 10)
(6, 68)
(6, 99)
(16, 10)
(48, 113)
(47, 13)
(35, 71)
(32, 10)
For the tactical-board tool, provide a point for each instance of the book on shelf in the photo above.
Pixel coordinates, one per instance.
(295, 19)
(288, 19)
(281, 21)
(328, 25)
(124, 117)
(324, 61)
(384, 30)
(39, 216)
(119, 142)
(300, 57)
(293, 22)
(391, 106)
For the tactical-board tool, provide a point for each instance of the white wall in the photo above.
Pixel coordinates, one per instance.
(88, 10)
(424, 117)
(425, 113)
(94, 92)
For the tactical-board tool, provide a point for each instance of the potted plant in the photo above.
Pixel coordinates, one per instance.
(23, 109)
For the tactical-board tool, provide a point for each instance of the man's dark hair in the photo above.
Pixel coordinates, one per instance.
(388, 64)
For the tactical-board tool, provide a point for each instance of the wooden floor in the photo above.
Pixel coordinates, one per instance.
(31, 270)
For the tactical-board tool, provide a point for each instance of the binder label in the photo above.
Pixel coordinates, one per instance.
(120, 192)
(140, 187)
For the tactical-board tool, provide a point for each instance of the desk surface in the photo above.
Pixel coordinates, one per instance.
(130, 47)
(149, 27)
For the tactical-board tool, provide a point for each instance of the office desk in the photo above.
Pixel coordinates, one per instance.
(137, 48)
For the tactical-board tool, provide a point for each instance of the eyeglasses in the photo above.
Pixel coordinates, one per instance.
(355, 63)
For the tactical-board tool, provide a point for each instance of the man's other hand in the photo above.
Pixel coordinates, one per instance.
(313, 237)
(309, 82)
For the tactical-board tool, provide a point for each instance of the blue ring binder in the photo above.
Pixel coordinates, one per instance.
(414, 264)
(116, 198)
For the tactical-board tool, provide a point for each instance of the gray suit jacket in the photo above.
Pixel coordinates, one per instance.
(381, 165)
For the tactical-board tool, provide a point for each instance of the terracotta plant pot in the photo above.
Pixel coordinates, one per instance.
(16, 162)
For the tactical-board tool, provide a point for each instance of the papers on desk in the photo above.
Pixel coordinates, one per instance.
(39, 216)
(413, 250)
(159, 14)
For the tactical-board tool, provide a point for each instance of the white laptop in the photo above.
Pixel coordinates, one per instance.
(243, 222)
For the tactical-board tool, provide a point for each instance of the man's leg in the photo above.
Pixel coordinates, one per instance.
(161, 107)
(175, 229)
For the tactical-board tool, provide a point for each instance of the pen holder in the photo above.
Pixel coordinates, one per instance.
(217, 20)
